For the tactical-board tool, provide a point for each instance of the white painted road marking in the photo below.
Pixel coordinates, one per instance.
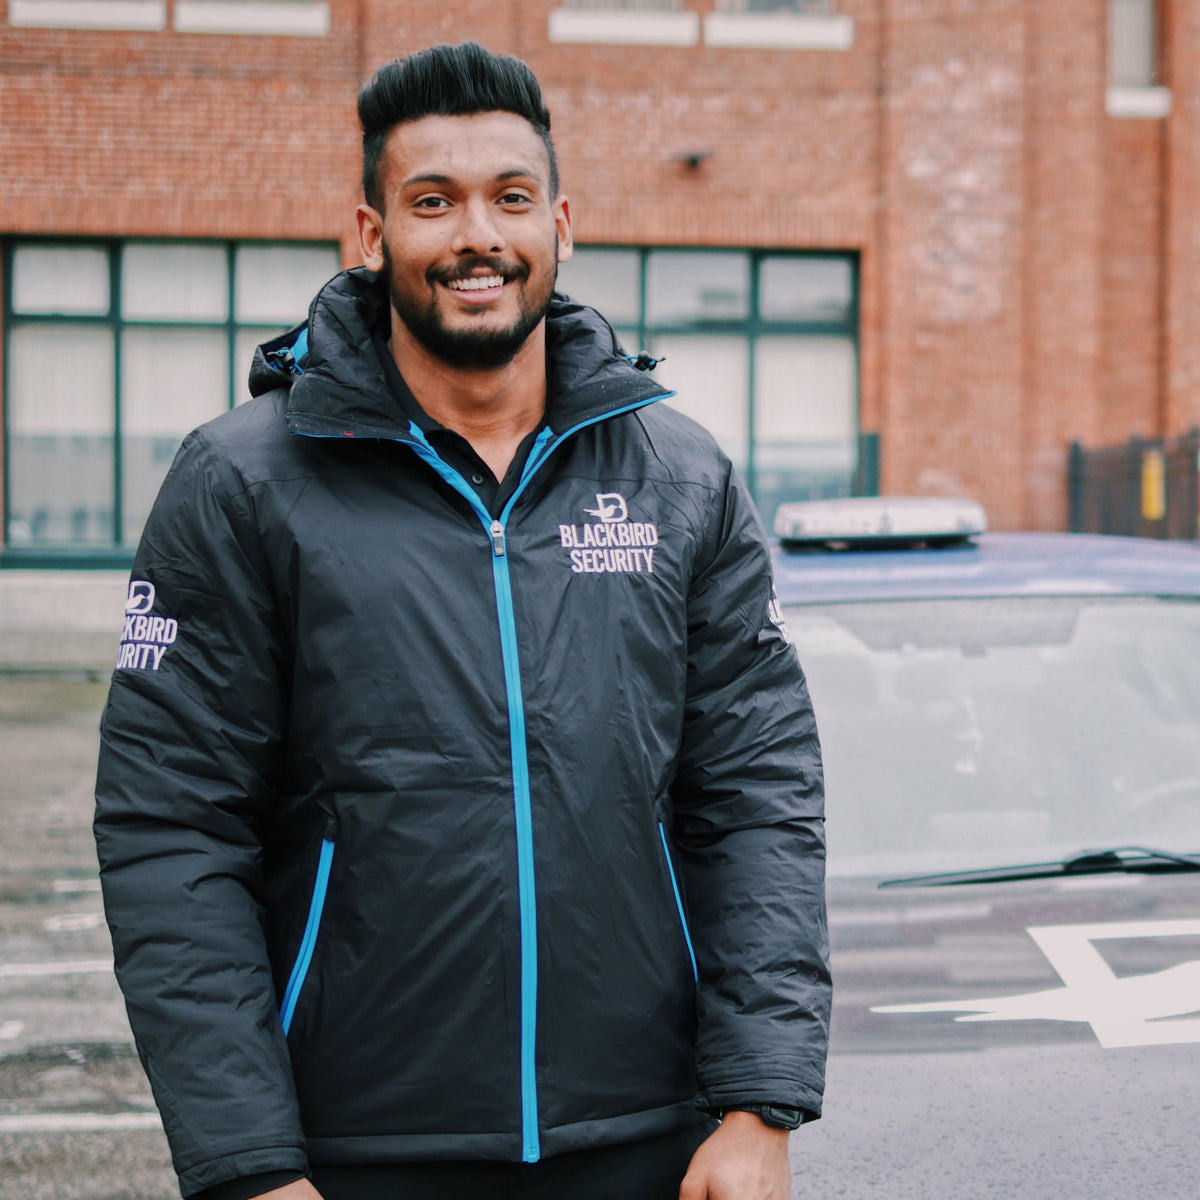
(10, 1030)
(1124, 1011)
(78, 1122)
(89, 966)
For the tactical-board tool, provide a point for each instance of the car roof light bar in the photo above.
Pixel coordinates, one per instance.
(879, 521)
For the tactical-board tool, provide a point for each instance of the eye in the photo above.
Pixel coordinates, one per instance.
(516, 198)
(431, 202)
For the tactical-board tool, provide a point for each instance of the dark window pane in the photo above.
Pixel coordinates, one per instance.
(61, 280)
(806, 419)
(709, 375)
(1131, 49)
(608, 280)
(174, 281)
(806, 289)
(275, 284)
(820, 7)
(60, 429)
(626, 5)
(154, 419)
(690, 287)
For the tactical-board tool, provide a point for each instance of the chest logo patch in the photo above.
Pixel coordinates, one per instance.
(612, 543)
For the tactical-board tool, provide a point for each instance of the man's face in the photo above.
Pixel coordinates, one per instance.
(470, 239)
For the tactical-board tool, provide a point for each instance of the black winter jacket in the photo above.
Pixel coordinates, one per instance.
(427, 835)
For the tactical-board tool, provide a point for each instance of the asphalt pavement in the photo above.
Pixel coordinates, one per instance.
(77, 1121)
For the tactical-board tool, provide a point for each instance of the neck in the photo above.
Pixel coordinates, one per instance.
(493, 409)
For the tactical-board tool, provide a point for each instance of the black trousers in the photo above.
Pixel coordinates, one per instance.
(650, 1169)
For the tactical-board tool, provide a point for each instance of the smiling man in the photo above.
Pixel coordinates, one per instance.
(464, 839)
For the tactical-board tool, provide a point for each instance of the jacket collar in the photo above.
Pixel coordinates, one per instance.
(337, 387)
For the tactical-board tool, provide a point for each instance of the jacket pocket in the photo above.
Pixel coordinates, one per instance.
(687, 936)
(308, 942)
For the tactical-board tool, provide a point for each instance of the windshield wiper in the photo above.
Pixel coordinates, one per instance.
(1090, 862)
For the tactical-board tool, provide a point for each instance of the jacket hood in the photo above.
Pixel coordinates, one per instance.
(338, 387)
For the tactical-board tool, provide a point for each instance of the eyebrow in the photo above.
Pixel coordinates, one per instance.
(447, 181)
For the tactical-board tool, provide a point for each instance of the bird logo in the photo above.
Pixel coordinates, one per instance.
(610, 508)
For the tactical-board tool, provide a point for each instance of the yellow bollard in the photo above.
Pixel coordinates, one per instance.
(1154, 486)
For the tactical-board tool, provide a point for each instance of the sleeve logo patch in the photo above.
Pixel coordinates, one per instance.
(141, 597)
(144, 639)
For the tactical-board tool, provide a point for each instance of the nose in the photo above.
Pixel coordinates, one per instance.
(478, 231)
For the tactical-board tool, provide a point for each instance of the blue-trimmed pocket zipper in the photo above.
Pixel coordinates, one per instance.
(309, 941)
(687, 936)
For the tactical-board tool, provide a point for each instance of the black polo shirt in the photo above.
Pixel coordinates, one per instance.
(453, 448)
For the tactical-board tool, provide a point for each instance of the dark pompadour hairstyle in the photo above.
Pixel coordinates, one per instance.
(448, 81)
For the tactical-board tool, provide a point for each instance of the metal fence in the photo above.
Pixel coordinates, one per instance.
(1145, 488)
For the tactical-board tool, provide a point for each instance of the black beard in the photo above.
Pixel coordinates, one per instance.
(466, 349)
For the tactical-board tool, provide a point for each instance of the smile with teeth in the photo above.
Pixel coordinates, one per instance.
(479, 284)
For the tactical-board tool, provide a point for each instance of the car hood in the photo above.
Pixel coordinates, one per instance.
(1062, 1057)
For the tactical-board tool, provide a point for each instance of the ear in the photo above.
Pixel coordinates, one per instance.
(370, 236)
(562, 223)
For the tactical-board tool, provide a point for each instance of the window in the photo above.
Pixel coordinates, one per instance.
(114, 351)
(779, 25)
(624, 22)
(1133, 56)
(626, 5)
(1132, 52)
(761, 348)
(815, 7)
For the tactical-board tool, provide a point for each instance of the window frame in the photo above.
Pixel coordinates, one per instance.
(753, 326)
(117, 554)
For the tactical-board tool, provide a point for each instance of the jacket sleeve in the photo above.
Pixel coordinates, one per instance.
(189, 762)
(748, 821)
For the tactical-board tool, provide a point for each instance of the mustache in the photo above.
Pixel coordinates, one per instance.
(472, 266)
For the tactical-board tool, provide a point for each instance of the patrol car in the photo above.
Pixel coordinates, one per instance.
(1011, 732)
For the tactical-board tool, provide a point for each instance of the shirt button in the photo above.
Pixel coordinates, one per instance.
(477, 479)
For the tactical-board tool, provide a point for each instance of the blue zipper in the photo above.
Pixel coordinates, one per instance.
(309, 941)
(544, 445)
(687, 936)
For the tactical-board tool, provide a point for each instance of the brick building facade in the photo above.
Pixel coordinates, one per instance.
(1024, 236)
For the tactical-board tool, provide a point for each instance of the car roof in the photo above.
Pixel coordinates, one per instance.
(992, 564)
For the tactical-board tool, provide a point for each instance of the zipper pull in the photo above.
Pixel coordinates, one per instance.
(497, 532)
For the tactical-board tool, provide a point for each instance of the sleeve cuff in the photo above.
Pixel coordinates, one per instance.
(250, 1186)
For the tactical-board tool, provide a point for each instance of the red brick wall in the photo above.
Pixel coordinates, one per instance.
(1066, 69)
(1030, 267)
(175, 134)
(1181, 221)
(952, 282)
(1132, 376)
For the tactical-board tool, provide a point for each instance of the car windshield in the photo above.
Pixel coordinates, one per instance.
(968, 733)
